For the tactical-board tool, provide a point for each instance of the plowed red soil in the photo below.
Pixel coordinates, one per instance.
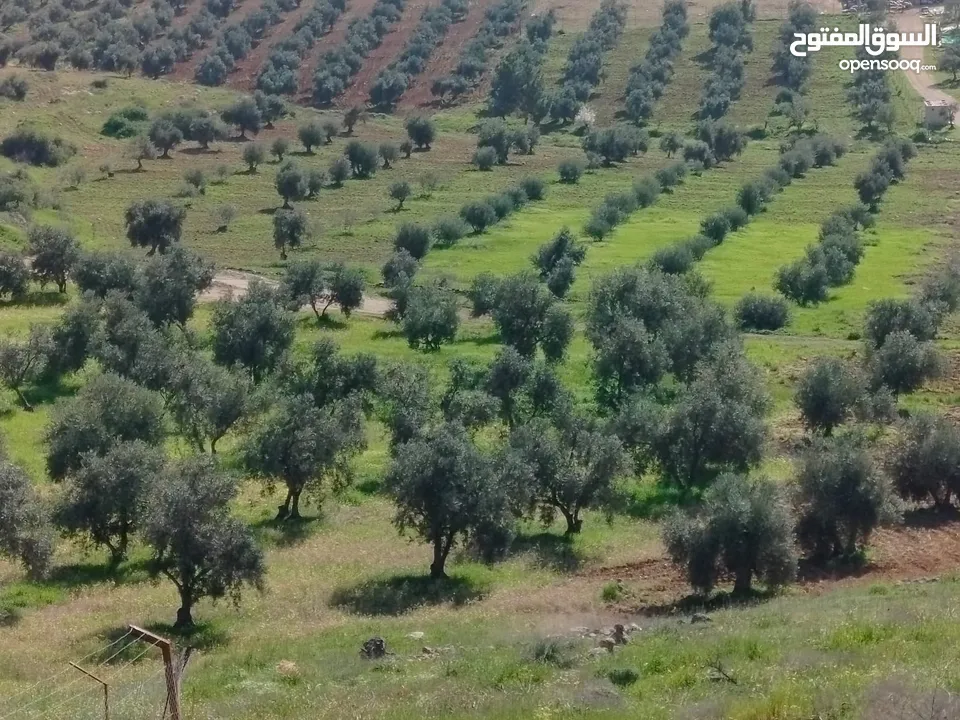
(445, 57)
(244, 76)
(359, 90)
(355, 9)
(926, 547)
(181, 20)
(185, 70)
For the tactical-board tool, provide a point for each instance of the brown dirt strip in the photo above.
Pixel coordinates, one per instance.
(355, 9)
(924, 548)
(445, 57)
(185, 71)
(234, 284)
(244, 77)
(358, 92)
(180, 21)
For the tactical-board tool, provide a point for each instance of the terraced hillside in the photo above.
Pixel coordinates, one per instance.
(520, 344)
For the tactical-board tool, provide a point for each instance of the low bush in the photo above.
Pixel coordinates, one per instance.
(761, 313)
(35, 148)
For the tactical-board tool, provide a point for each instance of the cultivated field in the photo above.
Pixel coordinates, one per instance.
(868, 634)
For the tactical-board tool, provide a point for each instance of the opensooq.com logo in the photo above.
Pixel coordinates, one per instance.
(875, 42)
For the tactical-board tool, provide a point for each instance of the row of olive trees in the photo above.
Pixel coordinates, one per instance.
(649, 78)
(583, 70)
(392, 82)
(752, 528)
(341, 63)
(518, 86)
(730, 34)
(499, 21)
(833, 260)
(279, 74)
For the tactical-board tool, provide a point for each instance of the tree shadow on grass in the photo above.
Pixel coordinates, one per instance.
(38, 298)
(693, 604)
(90, 573)
(286, 533)
(387, 334)
(654, 501)
(202, 635)
(553, 551)
(403, 593)
(931, 517)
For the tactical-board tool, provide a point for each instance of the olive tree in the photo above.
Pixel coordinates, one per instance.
(23, 363)
(254, 332)
(566, 469)
(195, 542)
(842, 497)
(25, 532)
(445, 489)
(53, 252)
(170, 284)
(105, 497)
(206, 401)
(154, 224)
(743, 529)
(431, 318)
(107, 410)
(289, 230)
(717, 423)
(828, 393)
(311, 282)
(307, 448)
(926, 460)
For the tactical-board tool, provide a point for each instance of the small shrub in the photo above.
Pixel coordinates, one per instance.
(761, 313)
(623, 677)
(673, 259)
(479, 215)
(485, 158)
(415, 239)
(534, 187)
(30, 146)
(571, 171)
(449, 230)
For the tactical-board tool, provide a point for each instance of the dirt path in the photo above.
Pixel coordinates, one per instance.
(231, 283)
(308, 66)
(445, 57)
(358, 92)
(923, 82)
(244, 76)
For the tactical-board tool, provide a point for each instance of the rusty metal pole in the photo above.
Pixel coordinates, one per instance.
(166, 650)
(106, 689)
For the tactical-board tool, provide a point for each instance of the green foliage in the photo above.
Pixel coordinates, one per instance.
(926, 460)
(25, 532)
(195, 543)
(828, 393)
(105, 497)
(24, 363)
(154, 224)
(445, 489)
(307, 448)
(755, 312)
(744, 529)
(254, 332)
(289, 230)
(431, 318)
(54, 251)
(842, 496)
(107, 410)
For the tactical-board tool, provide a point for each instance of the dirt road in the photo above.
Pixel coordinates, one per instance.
(923, 83)
(230, 283)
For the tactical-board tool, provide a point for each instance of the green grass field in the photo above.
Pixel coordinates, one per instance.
(821, 650)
